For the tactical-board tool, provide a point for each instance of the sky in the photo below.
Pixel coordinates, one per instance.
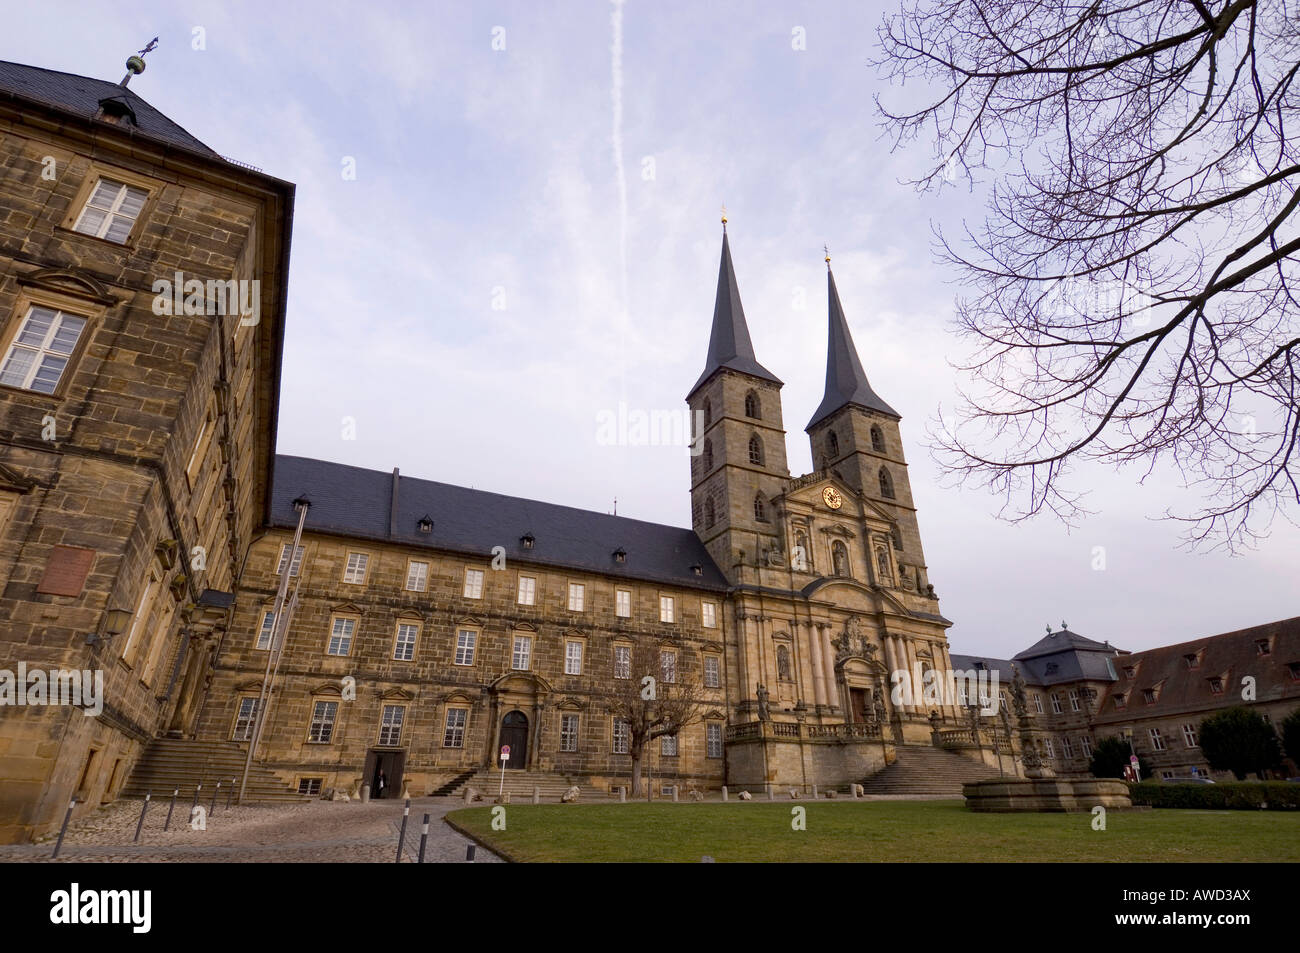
(507, 227)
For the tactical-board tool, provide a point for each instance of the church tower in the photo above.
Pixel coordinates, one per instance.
(738, 463)
(855, 435)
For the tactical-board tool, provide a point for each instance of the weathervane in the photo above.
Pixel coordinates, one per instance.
(135, 64)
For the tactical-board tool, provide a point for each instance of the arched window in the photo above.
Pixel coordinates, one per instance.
(708, 413)
(709, 515)
(752, 408)
(886, 484)
(896, 536)
(840, 558)
(755, 451)
(833, 442)
(877, 439)
(760, 509)
(708, 455)
(783, 670)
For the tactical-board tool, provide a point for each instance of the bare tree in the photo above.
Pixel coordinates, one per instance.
(657, 698)
(1130, 295)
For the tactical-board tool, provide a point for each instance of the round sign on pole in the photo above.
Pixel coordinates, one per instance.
(505, 752)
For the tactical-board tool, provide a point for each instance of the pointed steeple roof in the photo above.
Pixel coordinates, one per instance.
(846, 381)
(729, 344)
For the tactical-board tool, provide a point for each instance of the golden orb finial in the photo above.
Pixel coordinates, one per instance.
(827, 250)
(724, 215)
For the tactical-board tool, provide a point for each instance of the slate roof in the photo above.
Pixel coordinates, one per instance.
(846, 381)
(1229, 656)
(729, 343)
(965, 663)
(83, 95)
(1063, 641)
(351, 501)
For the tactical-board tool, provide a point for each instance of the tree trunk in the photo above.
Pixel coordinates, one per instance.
(636, 774)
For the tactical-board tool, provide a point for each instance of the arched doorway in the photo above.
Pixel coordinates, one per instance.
(514, 732)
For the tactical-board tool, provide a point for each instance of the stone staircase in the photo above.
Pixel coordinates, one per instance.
(921, 769)
(170, 763)
(518, 784)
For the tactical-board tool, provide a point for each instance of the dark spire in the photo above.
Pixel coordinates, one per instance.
(729, 344)
(846, 381)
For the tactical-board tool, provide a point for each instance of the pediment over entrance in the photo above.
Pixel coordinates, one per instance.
(520, 682)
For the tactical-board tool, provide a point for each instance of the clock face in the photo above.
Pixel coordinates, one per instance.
(832, 497)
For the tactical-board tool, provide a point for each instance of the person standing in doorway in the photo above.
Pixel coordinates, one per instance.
(380, 783)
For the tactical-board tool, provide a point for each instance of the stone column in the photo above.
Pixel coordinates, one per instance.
(828, 658)
(818, 670)
(742, 666)
(914, 669)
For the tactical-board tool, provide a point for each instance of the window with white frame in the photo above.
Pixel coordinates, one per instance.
(322, 722)
(309, 785)
(453, 732)
(712, 672)
(527, 591)
(390, 725)
(1086, 744)
(355, 571)
(341, 632)
(667, 610)
(1067, 746)
(709, 615)
(473, 583)
(284, 560)
(1056, 704)
(111, 210)
(466, 642)
(1189, 736)
(1157, 741)
(1049, 748)
(1038, 703)
(577, 596)
(668, 666)
(569, 733)
(404, 646)
(264, 633)
(572, 658)
(1074, 699)
(244, 719)
(622, 734)
(622, 661)
(623, 603)
(668, 746)
(417, 575)
(41, 349)
(713, 740)
(522, 654)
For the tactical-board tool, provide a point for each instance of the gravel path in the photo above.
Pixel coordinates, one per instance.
(306, 832)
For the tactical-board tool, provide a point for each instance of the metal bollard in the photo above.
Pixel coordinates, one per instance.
(675, 788)
(537, 794)
(622, 794)
(401, 840)
(229, 791)
(58, 845)
(424, 836)
(469, 853)
(171, 808)
(140, 823)
(215, 792)
(196, 800)
(724, 792)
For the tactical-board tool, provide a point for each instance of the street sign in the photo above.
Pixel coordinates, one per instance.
(505, 752)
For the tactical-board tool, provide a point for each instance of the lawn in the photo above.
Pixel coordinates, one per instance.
(877, 831)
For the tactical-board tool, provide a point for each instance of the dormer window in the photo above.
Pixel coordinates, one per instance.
(1051, 668)
(1262, 647)
(697, 569)
(114, 110)
(425, 524)
(1193, 660)
(527, 540)
(1216, 685)
(1149, 696)
(1294, 669)
(620, 555)
(1130, 671)
(1119, 702)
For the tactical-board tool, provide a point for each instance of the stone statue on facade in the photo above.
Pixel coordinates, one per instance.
(764, 713)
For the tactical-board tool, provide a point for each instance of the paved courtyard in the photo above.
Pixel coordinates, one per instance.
(311, 832)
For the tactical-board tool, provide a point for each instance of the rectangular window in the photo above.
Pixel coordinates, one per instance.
(1038, 703)
(1086, 744)
(1193, 660)
(264, 633)
(390, 725)
(577, 596)
(709, 615)
(713, 740)
(309, 786)
(41, 350)
(1119, 702)
(1157, 741)
(523, 653)
(322, 722)
(1189, 736)
(621, 736)
(473, 583)
(200, 446)
(712, 669)
(466, 641)
(1056, 704)
(1049, 748)
(244, 719)
(1262, 647)
(404, 647)
(667, 611)
(284, 560)
(341, 631)
(1216, 685)
(1074, 700)
(143, 613)
(417, 576)
(1067, 746)
(668, 666)
(572, 658)
(355, 571)
(569, 733)
(623, 603)
(111, 211)
(1149, 696)
(527, 591)
(668, 746)
(453, 733)
(622, 661)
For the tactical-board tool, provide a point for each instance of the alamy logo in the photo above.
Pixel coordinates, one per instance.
(934, 688)
(79, 688)
(73, 906)
(193, 296)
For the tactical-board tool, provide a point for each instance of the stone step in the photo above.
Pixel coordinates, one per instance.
(170, 763)
(925, 770)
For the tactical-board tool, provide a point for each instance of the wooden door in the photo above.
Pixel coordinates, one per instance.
(514, 732)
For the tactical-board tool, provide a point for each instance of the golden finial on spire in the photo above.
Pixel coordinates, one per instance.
(724, 216)
(827, 250)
